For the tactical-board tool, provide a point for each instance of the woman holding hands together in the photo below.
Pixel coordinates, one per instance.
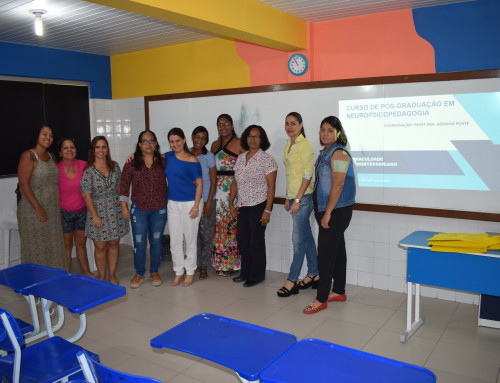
(254, 184)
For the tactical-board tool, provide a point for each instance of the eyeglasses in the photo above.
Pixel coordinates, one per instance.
(254, 137)
(221, 124)
(199, 138)
(151, 141)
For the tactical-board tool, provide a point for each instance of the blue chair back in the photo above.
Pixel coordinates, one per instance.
(5, 343)
(95, 372)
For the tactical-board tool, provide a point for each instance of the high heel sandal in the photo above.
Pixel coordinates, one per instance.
(312, 283)
(284, 292)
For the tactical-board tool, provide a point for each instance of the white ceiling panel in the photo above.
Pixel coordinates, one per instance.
(81, 26)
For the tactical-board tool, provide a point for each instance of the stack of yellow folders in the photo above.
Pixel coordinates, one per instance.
(464, 243)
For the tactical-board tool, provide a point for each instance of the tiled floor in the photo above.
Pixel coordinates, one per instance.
(449, 343)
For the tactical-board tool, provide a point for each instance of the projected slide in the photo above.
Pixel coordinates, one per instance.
(426, 142)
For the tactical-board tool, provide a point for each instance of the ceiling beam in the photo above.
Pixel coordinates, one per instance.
(247, 20)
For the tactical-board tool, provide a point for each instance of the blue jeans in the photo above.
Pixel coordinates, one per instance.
(303, 240)
(147, 223)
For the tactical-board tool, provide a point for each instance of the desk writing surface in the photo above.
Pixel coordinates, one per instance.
(313, 360)
(243, 347)
(418, 239)
(77, 293)
(26, 274)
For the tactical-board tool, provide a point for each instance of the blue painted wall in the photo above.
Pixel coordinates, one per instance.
(29, 61)
(465, 36)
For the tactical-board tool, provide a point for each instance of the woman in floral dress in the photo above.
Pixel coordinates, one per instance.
(226, 258)
(106, 222)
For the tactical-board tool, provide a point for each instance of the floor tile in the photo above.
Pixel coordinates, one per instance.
(465, 361)
(360, 313)
(381, 298)
(344, 333)
(446, 377)
(386, 343)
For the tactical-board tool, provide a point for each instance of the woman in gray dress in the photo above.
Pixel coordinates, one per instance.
(38, 212)
(106, 223)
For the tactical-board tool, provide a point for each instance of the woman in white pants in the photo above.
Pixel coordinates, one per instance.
(184, 177)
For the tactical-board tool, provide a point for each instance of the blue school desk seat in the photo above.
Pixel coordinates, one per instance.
(243, 347)
(19, 277)
(95, 372)
(319, 361)
(47, 361)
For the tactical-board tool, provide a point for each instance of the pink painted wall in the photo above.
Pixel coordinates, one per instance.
(368, 46)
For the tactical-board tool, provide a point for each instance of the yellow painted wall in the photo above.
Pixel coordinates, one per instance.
(203, 65)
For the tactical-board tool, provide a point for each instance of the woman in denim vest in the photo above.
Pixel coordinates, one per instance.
(333, 196)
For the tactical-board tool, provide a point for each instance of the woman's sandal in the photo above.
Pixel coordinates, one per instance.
(226, 273)
(312, 309)
(284, 292)
(176, 281)
(312, 282)
(203, 273)
(188, 280)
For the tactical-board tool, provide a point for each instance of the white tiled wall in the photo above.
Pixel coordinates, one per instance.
(374, 258)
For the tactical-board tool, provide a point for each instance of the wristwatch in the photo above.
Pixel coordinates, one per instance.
(297, 200)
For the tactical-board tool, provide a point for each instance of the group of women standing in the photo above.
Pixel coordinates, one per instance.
(219, 204)
(52, 211)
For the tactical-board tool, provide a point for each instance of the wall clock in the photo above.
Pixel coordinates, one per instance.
(297, 64)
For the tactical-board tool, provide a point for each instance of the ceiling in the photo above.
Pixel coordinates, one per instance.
(82, 26)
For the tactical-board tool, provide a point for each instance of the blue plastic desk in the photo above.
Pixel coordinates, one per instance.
(26, 274)
(243, 347)
(21, 276)
(319, 361)
(75, 292)
(473, 272)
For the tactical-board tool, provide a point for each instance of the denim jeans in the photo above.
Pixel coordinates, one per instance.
(147, 224)
(303, 240)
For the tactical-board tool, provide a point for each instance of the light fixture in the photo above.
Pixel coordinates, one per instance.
(38, 20)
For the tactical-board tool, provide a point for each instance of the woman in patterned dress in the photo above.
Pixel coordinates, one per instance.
(38, 213)
(225, 257)
(106, 223)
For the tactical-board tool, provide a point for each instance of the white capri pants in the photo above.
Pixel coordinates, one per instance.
(181, 228)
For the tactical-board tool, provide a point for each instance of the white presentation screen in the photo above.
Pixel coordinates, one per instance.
(430, 144)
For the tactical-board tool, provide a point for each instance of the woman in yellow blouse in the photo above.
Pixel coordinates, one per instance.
(299, 163)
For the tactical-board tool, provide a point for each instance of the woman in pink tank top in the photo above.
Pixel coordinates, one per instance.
(73, 209)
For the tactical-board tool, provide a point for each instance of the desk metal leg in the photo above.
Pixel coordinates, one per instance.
(46, 317)
(81, 329)
(411, 327)
(34, 314)
(51, 329)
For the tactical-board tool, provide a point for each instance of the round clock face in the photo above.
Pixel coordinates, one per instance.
(297, 64)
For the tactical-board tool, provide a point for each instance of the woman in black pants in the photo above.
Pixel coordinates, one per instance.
(254, 184)
(333, 196)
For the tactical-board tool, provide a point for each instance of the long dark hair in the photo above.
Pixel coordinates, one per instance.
(137, 160)
(179, 132)
(109, 162)
(335, 122)
(299, 119)
(201, 129)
